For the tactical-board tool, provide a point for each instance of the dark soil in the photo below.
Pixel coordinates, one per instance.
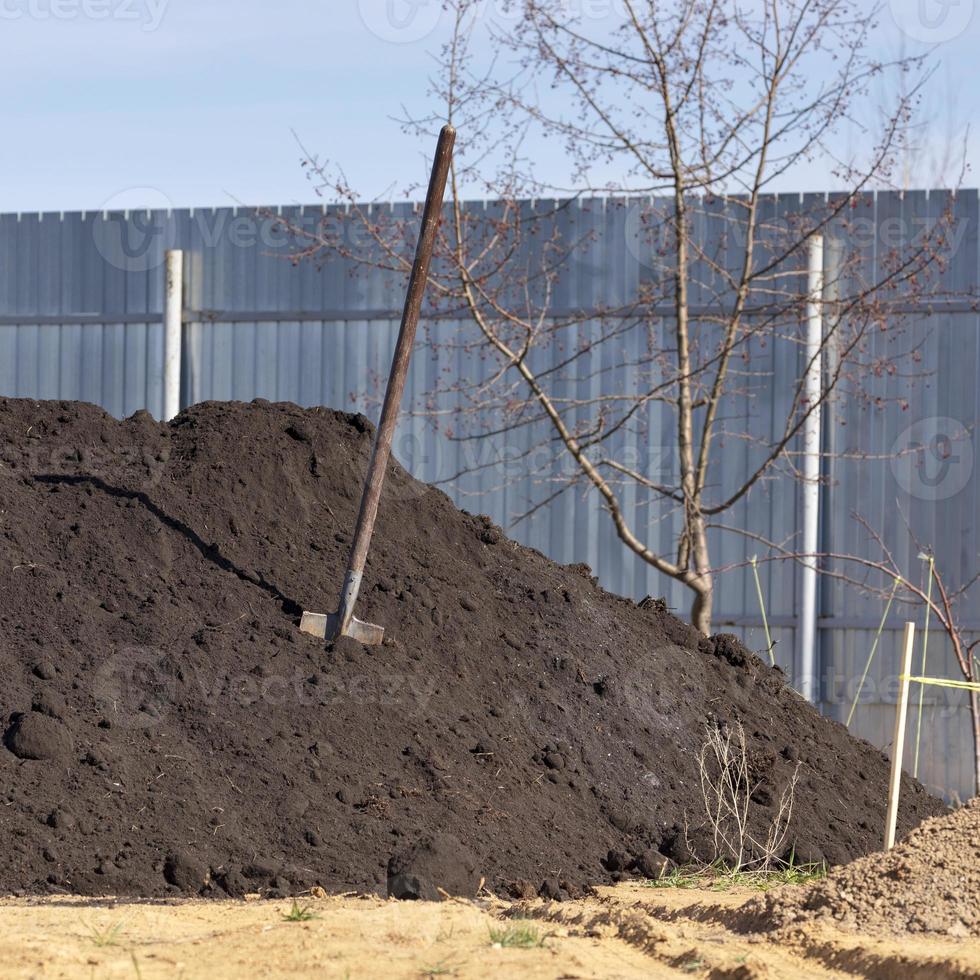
(167, 728)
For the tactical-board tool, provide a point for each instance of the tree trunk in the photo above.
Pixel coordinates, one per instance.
(702, 581)
(701, 608)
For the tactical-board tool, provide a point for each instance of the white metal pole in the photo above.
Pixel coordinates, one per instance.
(898, 742)
(811, 471)
(173, 315)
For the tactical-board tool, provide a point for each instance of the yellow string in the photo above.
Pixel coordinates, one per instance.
(942, 682)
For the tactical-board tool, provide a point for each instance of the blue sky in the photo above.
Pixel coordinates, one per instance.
(151, 103)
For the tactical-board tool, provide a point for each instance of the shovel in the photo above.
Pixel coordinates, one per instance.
(343, 622)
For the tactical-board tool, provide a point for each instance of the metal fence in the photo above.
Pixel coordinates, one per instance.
(81, 298)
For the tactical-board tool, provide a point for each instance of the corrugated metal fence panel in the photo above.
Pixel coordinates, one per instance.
(80, 310)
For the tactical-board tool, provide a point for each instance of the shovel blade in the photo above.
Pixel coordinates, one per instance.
(326, 627)
(315, 624)
(367, 633)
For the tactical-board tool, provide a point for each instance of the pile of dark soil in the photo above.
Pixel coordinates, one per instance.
(928, 883)
(166, 727)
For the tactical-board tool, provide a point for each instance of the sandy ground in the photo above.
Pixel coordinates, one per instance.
(630, 931)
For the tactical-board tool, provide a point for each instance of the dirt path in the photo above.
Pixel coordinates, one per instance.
(626, 932)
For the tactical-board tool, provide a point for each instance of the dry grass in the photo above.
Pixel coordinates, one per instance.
(727, 788)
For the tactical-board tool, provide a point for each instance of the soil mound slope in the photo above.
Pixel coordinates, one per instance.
(166, 727)
(928, 883)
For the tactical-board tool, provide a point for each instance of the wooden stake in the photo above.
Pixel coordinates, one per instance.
(898, 742)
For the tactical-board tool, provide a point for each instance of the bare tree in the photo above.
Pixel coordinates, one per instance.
(699, 108)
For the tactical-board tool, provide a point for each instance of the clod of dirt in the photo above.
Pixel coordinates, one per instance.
(409, 887)
(299, 432)
(51, 704)
(154, 578)
(432, 866)
(232, 882)
(552, 891)
(928, 883)
(652, 864)
(61, 819)
(616, 861)
(185, 871)
(38, 736)
(728, 647)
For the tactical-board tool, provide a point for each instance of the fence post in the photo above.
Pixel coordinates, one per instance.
(813, 388)
(173, 315)
(898, 742)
